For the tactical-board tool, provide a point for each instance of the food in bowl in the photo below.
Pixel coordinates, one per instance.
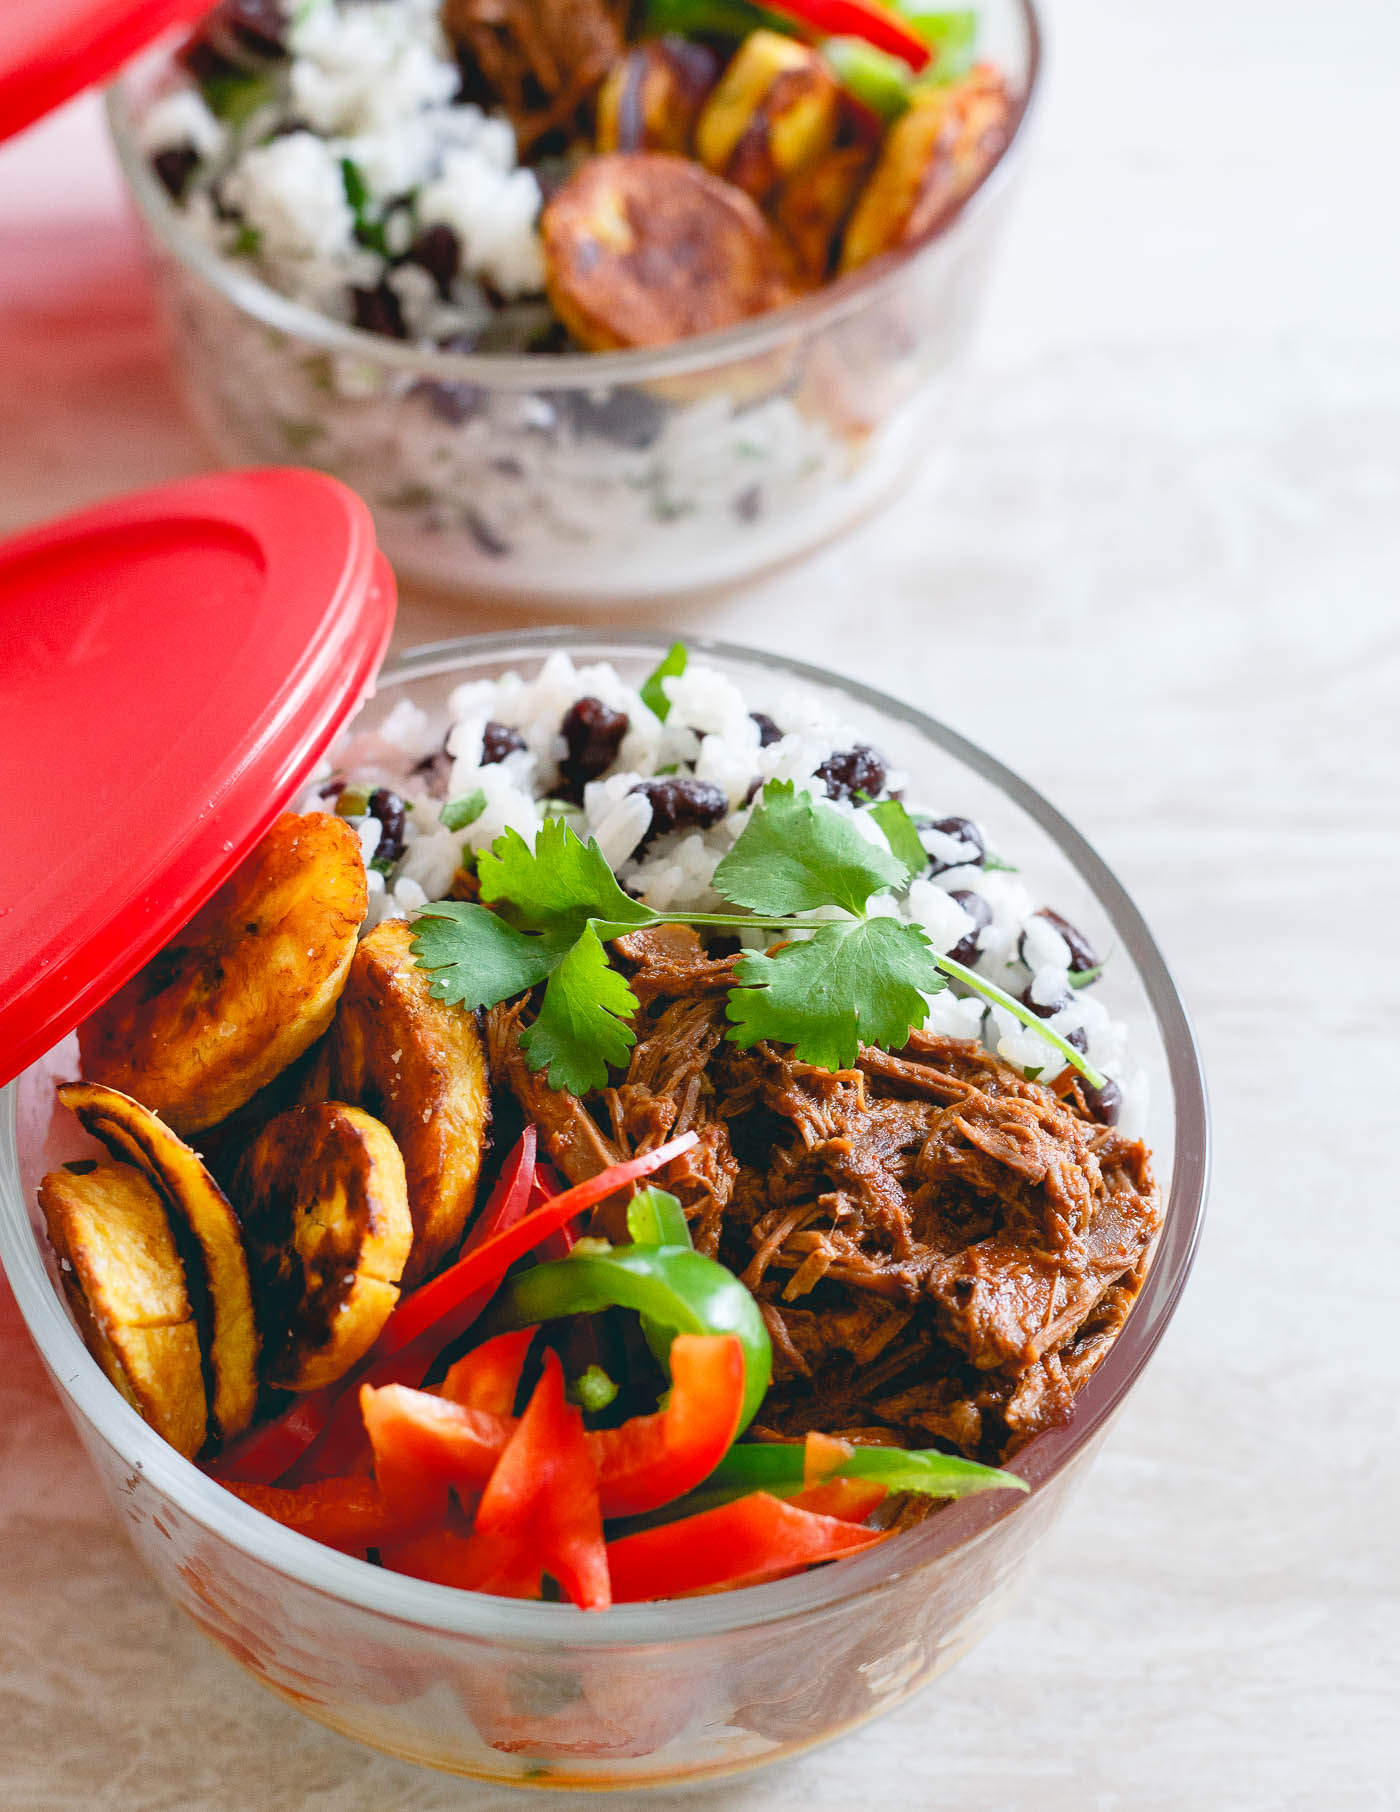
(555, 174)
(361, 267)
(708, 949)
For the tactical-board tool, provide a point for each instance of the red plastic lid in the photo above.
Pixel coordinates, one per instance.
(51, 50)
(172, 667)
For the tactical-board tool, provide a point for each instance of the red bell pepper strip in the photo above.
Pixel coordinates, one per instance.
(876, 24)
(270, 1452)
(489, 1377)
(848, 1500)
(502, 1564)
(755, 1538)
(545, 1489)
(350, 1514)
(424, 1446)
(652, 1460)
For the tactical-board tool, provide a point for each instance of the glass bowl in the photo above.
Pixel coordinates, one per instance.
(594, 476)
(648, 1694)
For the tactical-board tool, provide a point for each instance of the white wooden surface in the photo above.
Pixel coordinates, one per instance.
(1163, 582)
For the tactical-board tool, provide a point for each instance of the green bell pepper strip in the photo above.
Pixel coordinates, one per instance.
(777, 1467)
(656, 1218)
(672, 1287)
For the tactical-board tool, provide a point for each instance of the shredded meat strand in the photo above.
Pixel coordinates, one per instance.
(542, 60)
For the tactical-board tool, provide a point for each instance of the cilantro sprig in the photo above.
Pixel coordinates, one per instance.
(854, 976)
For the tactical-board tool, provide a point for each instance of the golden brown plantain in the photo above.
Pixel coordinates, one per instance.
(249, 983)
(135, 1135)
(642, 248)
(326, 1218)
(420, 1067)
(653, 96)
(814, 204)
(933, 156)
(124, 1281)
(776, 109)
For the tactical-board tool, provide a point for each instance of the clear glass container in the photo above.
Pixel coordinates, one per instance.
(594, 476)
(538, 1694)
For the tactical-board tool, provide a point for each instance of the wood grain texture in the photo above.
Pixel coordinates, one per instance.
(1161, 580)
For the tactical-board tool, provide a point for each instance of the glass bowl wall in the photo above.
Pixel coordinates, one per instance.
(543, 1694)
(594, 476)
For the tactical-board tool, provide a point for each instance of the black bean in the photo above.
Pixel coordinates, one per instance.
(977, 909)
(498, 741)
(1041, 1012)
(625, 417)
(392, 814)
(1106, 1103)
(439, 251)
(1082, 955)
(1079, 1038)
(748, 505)
(768, 731)
(966, 832)
(259, 25)
(175, 167)
(682, 804)
(435, 771)
(851, 771)
(377, 310)
(593, 734)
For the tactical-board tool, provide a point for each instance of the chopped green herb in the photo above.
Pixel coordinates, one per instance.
(368, 231)
(236, 96)
(995, 865)
(457, 814)
(1082, 978)
(671, 666)
(247, 245)
(901, 834)
(383, 865)
(352, 803)
(671, 767)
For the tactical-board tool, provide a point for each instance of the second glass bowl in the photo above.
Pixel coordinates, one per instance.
(594, 476)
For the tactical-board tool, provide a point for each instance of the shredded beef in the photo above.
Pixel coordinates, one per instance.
(941, 1249)
(541, 60)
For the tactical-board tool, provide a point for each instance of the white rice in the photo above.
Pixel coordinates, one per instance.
(709, 732)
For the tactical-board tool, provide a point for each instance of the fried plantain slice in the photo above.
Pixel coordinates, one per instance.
(642, 248)
(135, 1135)
(420, 1067)
(124, 1281)
(776, 109)
(249, 983)
(653, 95)
(933, 157)
(325, 1213)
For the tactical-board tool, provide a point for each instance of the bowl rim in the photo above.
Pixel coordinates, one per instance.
(833, 303)
(961, 1524)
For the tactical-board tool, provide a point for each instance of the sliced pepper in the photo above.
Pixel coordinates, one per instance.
(544, 1490)
(652, 1460)
(783, 1468)
(848, 1500)
(489, 1377)
(425, 1447)
(672, 1287)
(349, 1514)
(754, 1538)
(505, 1565)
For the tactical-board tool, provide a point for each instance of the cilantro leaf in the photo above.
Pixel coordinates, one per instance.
(457, 814)
(557, 887)
(901, 834)
(671, 666)
(846, 985)
(795, 854)
(476, 958)
(580, 1027)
